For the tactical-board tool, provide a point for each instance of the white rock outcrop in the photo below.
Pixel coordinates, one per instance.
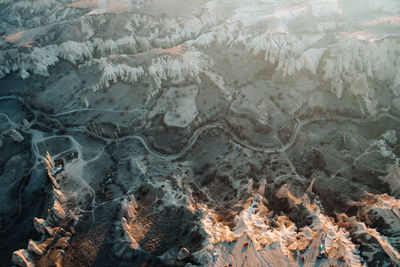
(130, 207)
(22, 258)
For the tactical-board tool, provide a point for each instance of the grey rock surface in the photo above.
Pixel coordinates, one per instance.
(161, 133)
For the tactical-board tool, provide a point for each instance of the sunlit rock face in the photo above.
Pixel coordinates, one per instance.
(199, 133)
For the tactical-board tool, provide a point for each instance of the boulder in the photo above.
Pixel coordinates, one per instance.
(59, 195)
(27, 124)
(40, 225)
(58, 210)
(183, 253)
(16, 136)
(35, 248)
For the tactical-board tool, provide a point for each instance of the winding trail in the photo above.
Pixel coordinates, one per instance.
(199, 131)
